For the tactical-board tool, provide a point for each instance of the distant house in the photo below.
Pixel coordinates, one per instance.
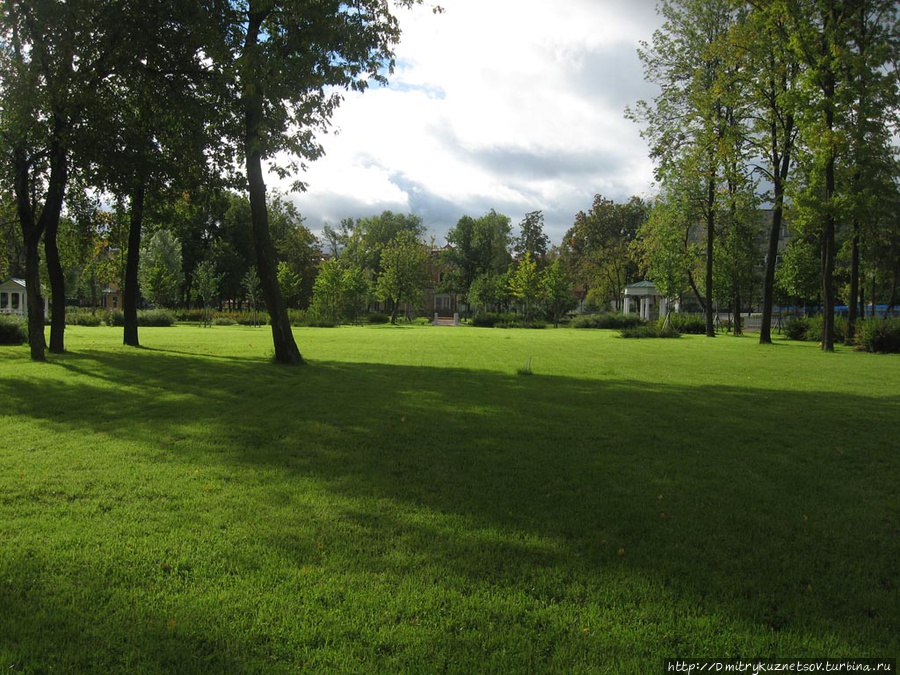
(14, 298)
(112, 297)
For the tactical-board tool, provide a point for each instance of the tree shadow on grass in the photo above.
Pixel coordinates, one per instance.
(765, 507)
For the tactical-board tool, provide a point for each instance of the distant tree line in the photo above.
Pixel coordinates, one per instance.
(787, 103)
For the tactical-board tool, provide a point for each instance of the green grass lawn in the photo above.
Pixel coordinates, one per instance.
(410, 502)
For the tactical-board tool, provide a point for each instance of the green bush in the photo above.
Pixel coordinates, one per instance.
(298, 317)
(879, 335)
(378, 318)
(650, 330)
(607, 321)
(251, 318)
(810, 328)
(12, 330)
(80, 317)
(796, 327)
(115, 317)
(491, 319)
(687, 324)
(157, 318)
(223, 321)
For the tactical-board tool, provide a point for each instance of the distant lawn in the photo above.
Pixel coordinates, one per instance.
(408, 502)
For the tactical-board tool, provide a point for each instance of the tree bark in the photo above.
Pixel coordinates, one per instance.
(286, 350)
(710, 240)
(50, 215)
(781, 174)
(853, 302)
(132, 291)
(828, 240)
(31, 236)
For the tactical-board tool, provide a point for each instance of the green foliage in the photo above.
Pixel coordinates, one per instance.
(377, 318)
(158, 318)
(650, 330)
(477, 247)
(810, 328)
(597, 248)
(505, 320)
(160, 270)
(879, 335)
(686, 324)
(557, 291)
(146, 317)
(491, 319)
(607, 321)
(404, 273)
(12, 330)
(80, 317)
(796, 327)
(525, 285)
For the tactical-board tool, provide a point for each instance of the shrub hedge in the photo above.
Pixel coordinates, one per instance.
(879, 335)
(650, 330)
(607, 320)
(12, 330)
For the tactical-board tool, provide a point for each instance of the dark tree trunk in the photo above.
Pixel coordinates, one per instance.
(286, 350)
(710, 240)
(132, 292)
(50, 215)
(853, 302)
(828, 240)
(31, 237)
(782, 169)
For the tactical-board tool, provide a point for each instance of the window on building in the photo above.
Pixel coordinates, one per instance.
(15, 301)
(4, 300)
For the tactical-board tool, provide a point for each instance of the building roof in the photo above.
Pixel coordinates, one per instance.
(13, 284)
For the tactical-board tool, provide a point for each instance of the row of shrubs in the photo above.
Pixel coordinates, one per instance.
(505, 320)
(873, 334)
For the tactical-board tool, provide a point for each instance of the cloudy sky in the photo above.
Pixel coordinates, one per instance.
(513, 105)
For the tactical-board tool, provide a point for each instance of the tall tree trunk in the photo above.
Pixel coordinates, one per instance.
(286, 350)
(710, 240)
(31, 237)
(50, 215)
(132, 291)
(828, 241)
(853, 302)
(782, 168)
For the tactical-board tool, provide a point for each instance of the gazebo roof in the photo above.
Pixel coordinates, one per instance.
(13, 284)
(641, 288)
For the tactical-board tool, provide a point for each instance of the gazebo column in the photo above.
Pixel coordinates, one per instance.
(627, 308)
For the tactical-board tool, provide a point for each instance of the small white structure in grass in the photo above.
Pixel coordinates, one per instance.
(14, 298)
(649, 296)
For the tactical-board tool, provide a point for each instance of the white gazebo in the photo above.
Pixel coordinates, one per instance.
(14, 298)
(648, 295)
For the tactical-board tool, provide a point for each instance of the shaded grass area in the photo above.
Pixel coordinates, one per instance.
(408, 502)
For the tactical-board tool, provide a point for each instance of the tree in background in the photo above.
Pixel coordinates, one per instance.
(298, 252)
(532, 238)
(663, 249)
(404, 272)
(557, 291)
(596, 248)
(526, 285)
(160, 272)
(489, 292)
(206, 284)
(476, 247)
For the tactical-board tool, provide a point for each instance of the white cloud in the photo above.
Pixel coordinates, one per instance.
(506, 104)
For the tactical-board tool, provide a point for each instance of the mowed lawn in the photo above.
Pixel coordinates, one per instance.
(414, 500)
